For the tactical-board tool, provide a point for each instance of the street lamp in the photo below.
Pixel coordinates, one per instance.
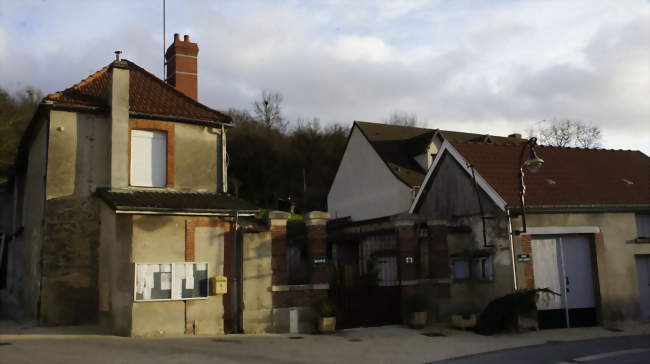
(532, 164)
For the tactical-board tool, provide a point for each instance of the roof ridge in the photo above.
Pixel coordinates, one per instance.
(151, 75)
(81, 83)
(498, 143)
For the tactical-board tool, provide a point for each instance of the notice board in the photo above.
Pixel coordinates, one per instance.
(170, 281)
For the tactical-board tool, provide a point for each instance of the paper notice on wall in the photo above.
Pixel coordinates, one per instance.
(140, 279)
(166, 268)
(148, 285)
(201, 266)
(155, 268)
(189, 276)
(165, 280)
(178, 274)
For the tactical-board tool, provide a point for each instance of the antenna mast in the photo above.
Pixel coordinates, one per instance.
(164, 77)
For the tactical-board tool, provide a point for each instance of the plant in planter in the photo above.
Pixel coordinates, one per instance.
(416, 307)
(326, 315)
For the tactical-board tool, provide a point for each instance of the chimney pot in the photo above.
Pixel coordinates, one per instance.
(118, 56)
(182, 66)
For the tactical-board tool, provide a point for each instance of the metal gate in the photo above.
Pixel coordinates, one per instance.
(564, 264)
(367, 292)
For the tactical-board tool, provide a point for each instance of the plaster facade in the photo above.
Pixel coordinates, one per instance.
(361, 178)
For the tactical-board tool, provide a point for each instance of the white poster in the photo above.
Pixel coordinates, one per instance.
(178, 274)
(189, 276)
(165, 281)
(201, 266)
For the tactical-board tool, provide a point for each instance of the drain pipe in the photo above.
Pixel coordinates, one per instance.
(512, 252)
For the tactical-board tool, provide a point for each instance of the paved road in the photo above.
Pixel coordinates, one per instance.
(617, 350)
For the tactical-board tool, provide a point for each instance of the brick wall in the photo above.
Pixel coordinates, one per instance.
(526, 248)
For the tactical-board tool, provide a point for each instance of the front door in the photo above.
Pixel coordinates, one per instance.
(643, 272)
(564, 264)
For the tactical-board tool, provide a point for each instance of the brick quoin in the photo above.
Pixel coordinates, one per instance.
(526, 248)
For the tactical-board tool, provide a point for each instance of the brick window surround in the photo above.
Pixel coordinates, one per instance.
(152, 125)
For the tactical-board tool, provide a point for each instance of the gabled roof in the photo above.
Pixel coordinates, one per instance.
(569, 176)
(398, 145)
(147, 95)
(172, 201)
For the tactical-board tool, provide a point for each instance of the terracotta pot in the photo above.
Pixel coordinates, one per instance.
(327, 325)
(418, 319)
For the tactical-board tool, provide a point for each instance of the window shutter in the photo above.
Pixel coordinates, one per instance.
(148, 158)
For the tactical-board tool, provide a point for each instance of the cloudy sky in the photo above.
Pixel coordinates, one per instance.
(471, 65)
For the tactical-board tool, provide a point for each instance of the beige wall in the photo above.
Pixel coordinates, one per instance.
(162, 239)
(196, 158)
(257, 283)
(617, 275)
(116, 271)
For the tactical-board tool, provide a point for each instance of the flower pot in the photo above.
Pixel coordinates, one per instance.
(459, 321)
(418, 319)
(327, 325)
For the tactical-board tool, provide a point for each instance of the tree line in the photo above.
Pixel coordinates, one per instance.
(274, 162)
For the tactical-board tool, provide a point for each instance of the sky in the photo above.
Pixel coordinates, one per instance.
(484, 66)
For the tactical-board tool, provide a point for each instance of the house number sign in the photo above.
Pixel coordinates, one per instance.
(523, 258)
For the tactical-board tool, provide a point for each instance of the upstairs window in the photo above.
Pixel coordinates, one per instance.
(643, 226)
(148, 158)
(482, 268)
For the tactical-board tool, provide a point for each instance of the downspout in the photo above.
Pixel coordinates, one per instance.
(224, 161)
(238, 250)
(512, 252)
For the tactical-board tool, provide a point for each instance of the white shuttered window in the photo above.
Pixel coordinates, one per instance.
(148, 158)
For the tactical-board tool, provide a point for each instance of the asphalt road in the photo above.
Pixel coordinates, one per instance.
(616, 350)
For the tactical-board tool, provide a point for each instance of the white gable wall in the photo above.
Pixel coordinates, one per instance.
(364, 187)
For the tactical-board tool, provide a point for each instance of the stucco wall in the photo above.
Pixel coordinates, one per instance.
(616, 268)
(116, 271)
(159, 239)
(26, 247)
(363, 187)
(196, 158)
(257, 273)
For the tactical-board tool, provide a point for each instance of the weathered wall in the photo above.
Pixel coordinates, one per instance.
(257, 282)
(362, 177)
(451, 195)
(616, 268)
(25, 272)
(163, 239)
(196, 146)
(115, 283)
(77, 163)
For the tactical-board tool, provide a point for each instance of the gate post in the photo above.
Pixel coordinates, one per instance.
(316, 223)
(278, 227)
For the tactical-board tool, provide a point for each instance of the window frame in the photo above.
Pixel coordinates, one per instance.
(488, 264)
(159, 126)
(453, 270)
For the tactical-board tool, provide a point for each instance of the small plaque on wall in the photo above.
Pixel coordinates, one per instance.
(523, 258)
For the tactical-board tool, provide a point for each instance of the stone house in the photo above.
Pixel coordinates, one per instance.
(379, 175)
(584, 236)
(121, 183)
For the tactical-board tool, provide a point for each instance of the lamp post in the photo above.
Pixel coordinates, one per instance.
(532, 164)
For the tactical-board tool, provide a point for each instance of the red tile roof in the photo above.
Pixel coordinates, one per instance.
(569, 176)
(148, 95)
(397, 146)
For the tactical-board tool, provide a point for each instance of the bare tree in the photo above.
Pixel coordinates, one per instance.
(402, 118)
(268, 110)
(567, 133)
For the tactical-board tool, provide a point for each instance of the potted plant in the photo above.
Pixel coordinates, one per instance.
(417, 310)
(326, 316)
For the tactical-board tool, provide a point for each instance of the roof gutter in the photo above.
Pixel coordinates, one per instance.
(143, 115)
(582, 208)
(127, 211)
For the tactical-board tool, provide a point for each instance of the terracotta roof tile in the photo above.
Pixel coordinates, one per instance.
(172, 201)
(148, 94)
(397, 145)
(569, 176)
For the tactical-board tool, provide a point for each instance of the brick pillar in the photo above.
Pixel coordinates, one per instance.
(526, 248)
(278, 227)
(407, 245)
(316, 223)
(438, 249)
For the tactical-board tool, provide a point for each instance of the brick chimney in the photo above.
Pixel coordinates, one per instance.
(182, 70)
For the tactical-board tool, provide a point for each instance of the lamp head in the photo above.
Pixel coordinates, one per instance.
(533, 163)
